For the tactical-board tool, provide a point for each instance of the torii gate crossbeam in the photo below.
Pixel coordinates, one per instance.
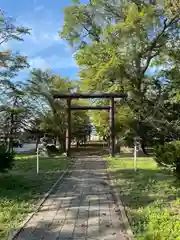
(110, 108)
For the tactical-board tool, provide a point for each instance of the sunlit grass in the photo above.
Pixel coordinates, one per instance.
(22, 187)
(151, 196)
(142, 162)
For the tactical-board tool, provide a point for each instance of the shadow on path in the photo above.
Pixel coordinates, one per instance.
(81, 207)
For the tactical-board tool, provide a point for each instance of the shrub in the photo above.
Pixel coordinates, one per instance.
(6, 159)
(168, 155)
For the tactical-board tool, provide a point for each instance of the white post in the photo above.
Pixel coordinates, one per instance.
(37, 160)
(135, 157)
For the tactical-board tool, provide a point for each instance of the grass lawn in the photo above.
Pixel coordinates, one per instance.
(22, 187)
(151, 197)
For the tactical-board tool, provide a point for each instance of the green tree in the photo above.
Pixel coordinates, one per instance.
(11, 107)
(10, 63)
(41, 86)
(15, 113)
(53, 116)
(117, 43)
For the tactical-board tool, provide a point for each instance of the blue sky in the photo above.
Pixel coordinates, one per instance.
(44, 47)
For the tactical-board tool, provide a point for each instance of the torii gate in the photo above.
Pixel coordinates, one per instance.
(110, 108)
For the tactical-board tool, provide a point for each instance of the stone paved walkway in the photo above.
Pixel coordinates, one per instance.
(80, 208)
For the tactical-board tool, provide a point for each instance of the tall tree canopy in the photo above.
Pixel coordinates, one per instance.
(116, 43)
(52, 114)
(12, 106)
(10, 63)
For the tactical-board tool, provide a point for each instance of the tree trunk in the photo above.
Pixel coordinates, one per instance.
(143, 146)
(6, 141)
(63, 145)
(55, 141)
(109, 141)
(62, 142)
(37, 142)
(77, 144)
(10, 138)
(178, 168)
(59, 140)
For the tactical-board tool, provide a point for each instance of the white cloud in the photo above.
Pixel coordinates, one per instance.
(44, 38)
(44, 33)
(39, 62)
(5, 46)
(53, 62)
(66, 62)
(50, 37)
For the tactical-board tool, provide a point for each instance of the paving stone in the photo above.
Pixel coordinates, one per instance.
(80, 208)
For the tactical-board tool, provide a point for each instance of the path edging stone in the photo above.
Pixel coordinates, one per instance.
(121, 207)
(40, 202)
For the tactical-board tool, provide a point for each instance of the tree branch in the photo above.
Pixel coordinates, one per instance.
(154, 43)
(149, 58)
(165, 27)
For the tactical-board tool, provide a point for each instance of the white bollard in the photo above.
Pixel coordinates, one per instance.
(37, 160)
(135, 155)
